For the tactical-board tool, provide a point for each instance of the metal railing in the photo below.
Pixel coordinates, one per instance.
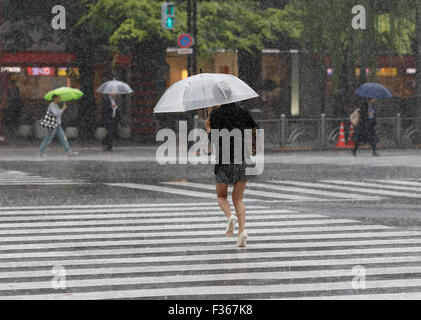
(323, 132)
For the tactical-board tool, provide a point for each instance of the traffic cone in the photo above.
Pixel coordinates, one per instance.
(351, 143)
(341, 140)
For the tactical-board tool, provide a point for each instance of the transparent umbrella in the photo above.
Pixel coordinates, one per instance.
(114, 87)
(202, 91)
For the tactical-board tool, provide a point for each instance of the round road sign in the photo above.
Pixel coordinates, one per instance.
(185, 41)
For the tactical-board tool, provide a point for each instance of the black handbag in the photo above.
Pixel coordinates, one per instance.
(49, 121)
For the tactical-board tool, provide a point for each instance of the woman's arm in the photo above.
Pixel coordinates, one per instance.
(207, 125)
(57, 111)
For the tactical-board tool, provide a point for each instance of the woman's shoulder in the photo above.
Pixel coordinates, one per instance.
(212, 114)
(217, 112)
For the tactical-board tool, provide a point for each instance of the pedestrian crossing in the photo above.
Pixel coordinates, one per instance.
(19, 178)
(179, 251)
(285, 191)
(290, 191)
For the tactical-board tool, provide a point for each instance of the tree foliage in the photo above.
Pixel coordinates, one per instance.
(24, 18)
(230, 24)
(326, 30)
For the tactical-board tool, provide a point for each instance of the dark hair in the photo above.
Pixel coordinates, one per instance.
(13, 82)
(54, 96)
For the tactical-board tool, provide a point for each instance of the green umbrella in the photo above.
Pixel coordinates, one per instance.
(66, 94)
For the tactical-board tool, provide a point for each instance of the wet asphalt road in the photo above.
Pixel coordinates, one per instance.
(298, 199)
(138, 166)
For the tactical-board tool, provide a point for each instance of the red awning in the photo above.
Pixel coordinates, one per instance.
(36, 58)
(406, 61)
(122, 58)
(43, 59)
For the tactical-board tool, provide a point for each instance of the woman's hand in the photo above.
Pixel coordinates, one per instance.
(207, 125)
(64, 107)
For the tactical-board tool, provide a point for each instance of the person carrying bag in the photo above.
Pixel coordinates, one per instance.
(52, 122)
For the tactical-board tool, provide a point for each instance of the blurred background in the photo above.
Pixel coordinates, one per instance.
(303, 57)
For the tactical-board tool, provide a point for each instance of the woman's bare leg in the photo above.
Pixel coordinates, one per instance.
(222, 194)
(237, 199)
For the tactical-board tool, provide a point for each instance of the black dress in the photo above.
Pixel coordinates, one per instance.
(365, 132)
(231, 117)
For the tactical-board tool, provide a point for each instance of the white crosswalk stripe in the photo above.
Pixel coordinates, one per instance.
(154, 188)
(286, 191)
(289, 191)
(358, 188)
(18, 178)
(178, 250)
(247, 192)
(399, 182)
(377, 186)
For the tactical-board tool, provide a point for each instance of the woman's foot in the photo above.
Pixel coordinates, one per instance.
(73, 154)
(375, 154)
(231, 226)
(242, 239)
(354, 152)
(42, 155)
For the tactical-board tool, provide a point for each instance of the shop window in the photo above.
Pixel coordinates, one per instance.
(184, 74)
(224, 69)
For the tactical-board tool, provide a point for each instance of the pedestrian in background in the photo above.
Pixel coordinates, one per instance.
(112, 119)
(55, 128)
(13, 112)
(231, 116)
(365, 131)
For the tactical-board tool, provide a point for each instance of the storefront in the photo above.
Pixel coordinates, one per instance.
(397, 73)
(36, 73)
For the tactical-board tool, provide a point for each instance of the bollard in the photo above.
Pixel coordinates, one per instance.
(322, 131)
(398, 131)
(284, 130)
(195, 122)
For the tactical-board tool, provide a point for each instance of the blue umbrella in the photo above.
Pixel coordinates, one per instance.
(373, 91)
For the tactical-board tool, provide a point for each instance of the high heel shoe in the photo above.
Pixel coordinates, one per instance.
(231, 226)
(242, 239)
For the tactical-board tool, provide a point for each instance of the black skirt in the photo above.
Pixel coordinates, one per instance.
(231, 173)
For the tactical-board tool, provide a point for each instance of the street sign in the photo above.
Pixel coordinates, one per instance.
(185, 41)
(185, 51)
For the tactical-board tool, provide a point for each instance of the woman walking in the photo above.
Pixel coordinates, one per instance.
(57, 113)
(231, 117)
(366, 129)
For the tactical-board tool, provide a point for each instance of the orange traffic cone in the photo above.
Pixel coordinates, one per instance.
(351, 143)
(341, 140)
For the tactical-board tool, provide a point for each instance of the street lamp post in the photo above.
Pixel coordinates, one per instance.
(195, 36)
(192, 27)
(418, 74)
(192, 59)
(189, 30)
